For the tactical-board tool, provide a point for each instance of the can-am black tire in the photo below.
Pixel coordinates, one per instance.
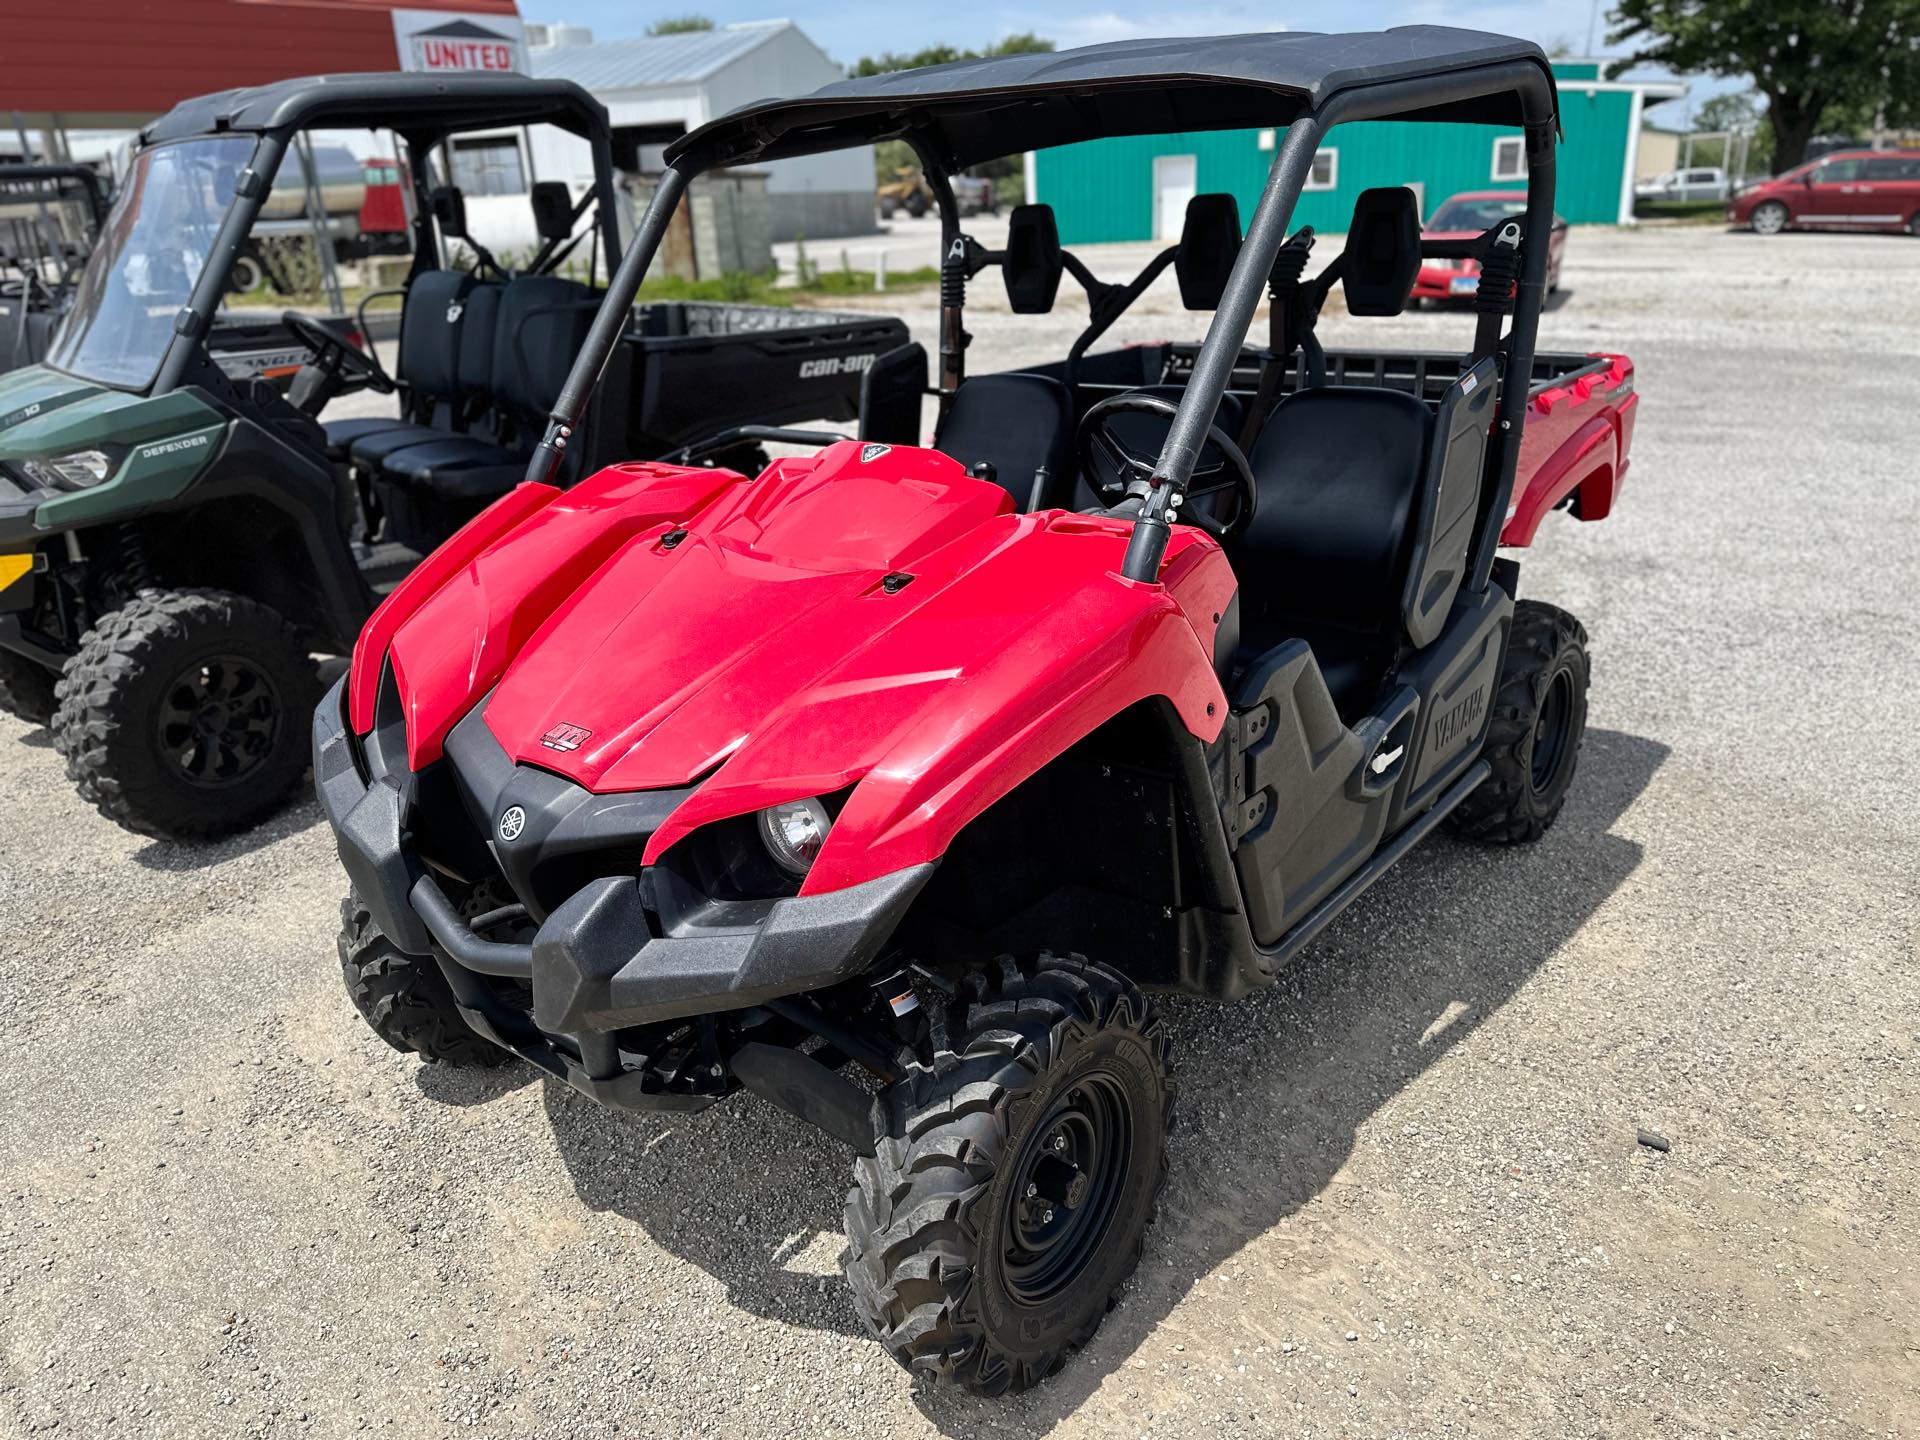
(184, 713)
(1533, 740)
(404, 998)
(26, 689)
(960, 1265)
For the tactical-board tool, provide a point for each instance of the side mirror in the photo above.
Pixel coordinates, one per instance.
(1032, 264)
(890, 394)
(450, 211)
(1209, 244)
(552, 209)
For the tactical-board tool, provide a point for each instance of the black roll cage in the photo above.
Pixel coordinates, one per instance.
(83, 177)
(424, 112)
(1438, 96)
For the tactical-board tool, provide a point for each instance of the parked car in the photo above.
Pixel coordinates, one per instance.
(1847, 190)
(934, 761)
(1701, 183)
(1465, 217)
(975, 195)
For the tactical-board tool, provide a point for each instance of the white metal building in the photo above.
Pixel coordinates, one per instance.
(660, 87)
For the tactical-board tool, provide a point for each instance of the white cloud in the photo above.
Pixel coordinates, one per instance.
(1099, 26)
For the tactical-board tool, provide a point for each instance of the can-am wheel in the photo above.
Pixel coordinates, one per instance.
(1014, 1174)
(26, 688)
(184, 713)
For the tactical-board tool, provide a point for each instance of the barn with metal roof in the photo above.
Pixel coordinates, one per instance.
(658, 88)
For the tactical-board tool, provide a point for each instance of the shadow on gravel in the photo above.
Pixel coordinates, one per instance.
(177, 856)
(689, 1181)
(1273, 1091)
(448, 1085)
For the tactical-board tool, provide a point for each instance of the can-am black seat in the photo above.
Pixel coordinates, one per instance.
(540, 324)
(446, 340)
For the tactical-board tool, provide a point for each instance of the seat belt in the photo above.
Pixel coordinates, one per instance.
(1493, 300)
(464, 413)
(1289, 327)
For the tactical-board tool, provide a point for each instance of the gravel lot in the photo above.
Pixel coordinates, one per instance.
(1407, 1193)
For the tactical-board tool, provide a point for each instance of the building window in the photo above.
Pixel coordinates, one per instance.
(1325, 174)
(1510, 158)
(489, 167)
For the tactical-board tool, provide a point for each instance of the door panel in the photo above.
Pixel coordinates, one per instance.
(1175, 182)
(1833, 198)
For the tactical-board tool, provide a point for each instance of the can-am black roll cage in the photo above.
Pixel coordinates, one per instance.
(960, 114)
(423, 110)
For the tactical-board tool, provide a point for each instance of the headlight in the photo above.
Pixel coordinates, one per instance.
(69, 472)
(793, 833)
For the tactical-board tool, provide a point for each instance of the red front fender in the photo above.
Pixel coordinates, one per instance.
(1003, 671)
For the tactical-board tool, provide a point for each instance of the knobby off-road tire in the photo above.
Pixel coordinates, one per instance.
(1533, 740)
(26, 689)
(404, 998)
(1056, 1074)
(185, 713)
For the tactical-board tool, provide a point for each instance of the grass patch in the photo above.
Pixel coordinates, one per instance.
(271, 299)
(734, 288)
(1688, 212)
(745, 288)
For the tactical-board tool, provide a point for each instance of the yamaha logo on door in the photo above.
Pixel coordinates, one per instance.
(445, 41)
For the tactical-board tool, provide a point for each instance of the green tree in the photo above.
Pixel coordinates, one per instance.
(1808, 57)
(680, 25)
(1738, 111)
(1026, 43)
(889, 155)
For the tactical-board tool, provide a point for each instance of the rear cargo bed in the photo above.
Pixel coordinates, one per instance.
(688, 369)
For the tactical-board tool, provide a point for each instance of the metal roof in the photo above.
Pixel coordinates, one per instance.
(687, 59)
(975, 110)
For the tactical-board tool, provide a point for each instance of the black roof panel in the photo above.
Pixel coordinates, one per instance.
(974, 110)
(388, 99)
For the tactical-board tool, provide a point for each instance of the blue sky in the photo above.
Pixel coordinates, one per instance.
(848, 29)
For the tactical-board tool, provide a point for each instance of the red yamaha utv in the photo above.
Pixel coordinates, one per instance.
(888, 782)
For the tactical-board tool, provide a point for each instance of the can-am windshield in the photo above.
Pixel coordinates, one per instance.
(151, 251)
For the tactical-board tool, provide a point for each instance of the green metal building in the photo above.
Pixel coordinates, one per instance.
(1136, 187)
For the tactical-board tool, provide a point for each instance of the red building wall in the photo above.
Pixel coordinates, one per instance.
(81, 62)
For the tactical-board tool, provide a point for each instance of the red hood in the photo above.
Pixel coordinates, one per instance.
(767, 641)
(670, 657)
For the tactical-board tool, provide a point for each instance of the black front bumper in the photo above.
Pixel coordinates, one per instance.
(598, 961)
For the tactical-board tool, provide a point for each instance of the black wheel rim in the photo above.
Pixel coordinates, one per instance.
(218, 721)
(1550, 745)
(1068, 1185)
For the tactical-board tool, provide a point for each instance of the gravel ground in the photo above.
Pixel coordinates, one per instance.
(1407, 1196)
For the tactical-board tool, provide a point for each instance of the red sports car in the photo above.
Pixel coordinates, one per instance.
(1471, 214)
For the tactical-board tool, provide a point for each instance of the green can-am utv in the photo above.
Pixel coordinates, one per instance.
(179, 534)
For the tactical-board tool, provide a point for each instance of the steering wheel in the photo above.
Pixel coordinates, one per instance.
(1132, 472)
(342, 367)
